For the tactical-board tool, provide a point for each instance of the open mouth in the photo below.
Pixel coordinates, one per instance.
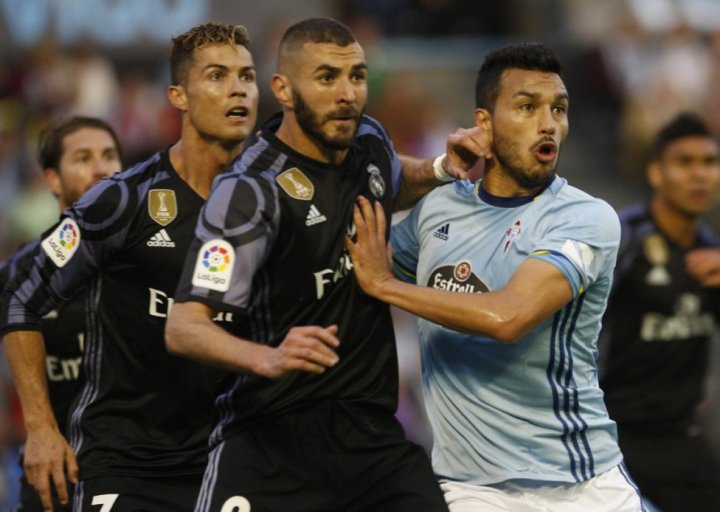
(237, 113)
(545, 151)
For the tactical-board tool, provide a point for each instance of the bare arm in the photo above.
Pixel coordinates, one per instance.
(190, 332)
(535, 291)
(467, 149)
(47, 454)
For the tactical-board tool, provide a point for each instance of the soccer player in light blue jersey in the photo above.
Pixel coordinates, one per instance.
(513, 274)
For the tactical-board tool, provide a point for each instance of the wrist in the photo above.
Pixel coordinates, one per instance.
(439, 170)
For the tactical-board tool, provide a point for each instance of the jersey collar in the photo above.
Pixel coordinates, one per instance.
(510, 202)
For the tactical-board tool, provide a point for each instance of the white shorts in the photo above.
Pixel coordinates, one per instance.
(611, 491)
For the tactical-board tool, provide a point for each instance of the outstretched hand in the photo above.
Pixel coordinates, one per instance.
(371, 254)
(467, 150)
(48, 461)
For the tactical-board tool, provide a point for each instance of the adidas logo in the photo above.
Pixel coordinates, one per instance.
(314, 216)
(442, 232)
(160, 239)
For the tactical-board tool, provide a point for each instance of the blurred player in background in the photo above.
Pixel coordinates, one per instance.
(661, 318)
(73, 155)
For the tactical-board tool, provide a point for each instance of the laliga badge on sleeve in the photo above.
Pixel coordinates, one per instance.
(214, 266)
(62, 243)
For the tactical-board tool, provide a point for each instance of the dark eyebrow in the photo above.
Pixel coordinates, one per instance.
(334, 69)
(223, 67)
(214, 65)
(536, 96)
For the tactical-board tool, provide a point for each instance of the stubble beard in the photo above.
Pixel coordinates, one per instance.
(507, 155)
(311, 124)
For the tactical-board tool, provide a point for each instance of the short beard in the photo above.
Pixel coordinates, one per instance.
(526, 180)
(311, 124)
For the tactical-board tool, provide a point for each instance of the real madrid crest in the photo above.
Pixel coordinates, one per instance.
(376, 183)
(162, 206)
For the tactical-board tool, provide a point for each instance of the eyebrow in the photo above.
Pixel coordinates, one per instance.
(536, 95)
(225, 68)
(335, 69)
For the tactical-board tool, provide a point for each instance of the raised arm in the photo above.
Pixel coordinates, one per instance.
(467, 150)
(534, 293)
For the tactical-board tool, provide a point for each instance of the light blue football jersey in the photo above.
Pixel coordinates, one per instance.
(531, 409)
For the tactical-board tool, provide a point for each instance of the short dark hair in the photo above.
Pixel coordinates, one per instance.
(184, 45)
(51, 140)
(685, 124)
(314, 30)
(531, 56)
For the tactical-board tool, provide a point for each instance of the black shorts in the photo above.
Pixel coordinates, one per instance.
(30, 499)
(328, 458)
(675, 471)
(137, 494)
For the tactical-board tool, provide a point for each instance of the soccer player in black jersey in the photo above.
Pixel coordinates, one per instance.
(73, 155)
(307, 424)
(141, 422)
(661, 317)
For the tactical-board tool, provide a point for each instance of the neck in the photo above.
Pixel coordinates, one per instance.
(292, 134)
(677, 226)
(197, 160)
(500, 184)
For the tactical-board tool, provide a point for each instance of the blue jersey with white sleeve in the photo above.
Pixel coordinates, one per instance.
(532, 409)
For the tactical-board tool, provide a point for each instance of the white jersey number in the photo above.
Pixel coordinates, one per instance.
(106, 501)
(236, 504)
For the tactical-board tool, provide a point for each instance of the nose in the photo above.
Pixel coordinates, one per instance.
(548, 123)
(346, 91)
(239, 87)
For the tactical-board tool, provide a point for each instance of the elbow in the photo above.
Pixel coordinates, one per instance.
(510, 330)
(173, 335)
(507, 334)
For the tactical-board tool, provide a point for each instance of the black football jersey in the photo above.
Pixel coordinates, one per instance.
(269, 246)
(64, 331)
(141, 411)
(656, 333)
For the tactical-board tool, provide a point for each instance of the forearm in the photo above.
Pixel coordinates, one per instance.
(418, 178)
(491, 314)
(25, 352)
(191, 333)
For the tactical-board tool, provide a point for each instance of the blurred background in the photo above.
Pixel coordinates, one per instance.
(630, 65)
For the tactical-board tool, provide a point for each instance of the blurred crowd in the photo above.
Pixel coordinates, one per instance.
(631, 66)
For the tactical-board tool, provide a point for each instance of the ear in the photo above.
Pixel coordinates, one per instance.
(52, 180)
(282, 89)
(654, 175)
(483, 120)
(177, 97)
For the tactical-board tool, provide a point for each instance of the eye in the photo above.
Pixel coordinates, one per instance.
(560, 109)
(248, 76)
(326, 79)
(216, 75)
(527, 107)
(359, 77)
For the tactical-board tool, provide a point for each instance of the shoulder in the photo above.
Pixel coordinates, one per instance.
(116, 197)
(371, 131)
(707, 237)
(576, 207)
